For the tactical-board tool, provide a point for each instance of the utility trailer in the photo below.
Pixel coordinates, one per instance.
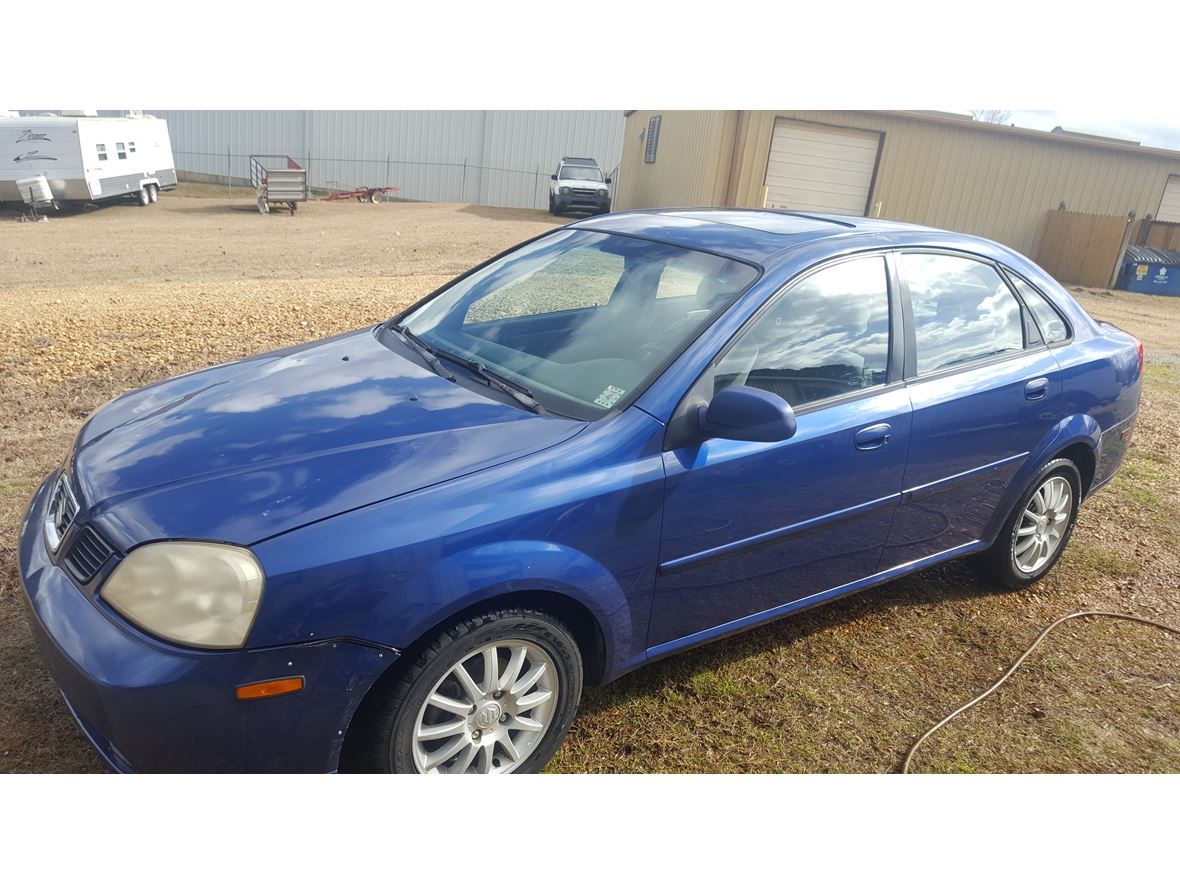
(278, 181)
(87, 159)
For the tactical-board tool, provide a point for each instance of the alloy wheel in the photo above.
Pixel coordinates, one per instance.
(1043, 524)
(489, 712)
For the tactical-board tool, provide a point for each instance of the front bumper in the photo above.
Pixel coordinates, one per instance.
(582, 202)
(149, 706)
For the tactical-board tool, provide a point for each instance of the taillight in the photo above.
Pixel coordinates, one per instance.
(1140, 359)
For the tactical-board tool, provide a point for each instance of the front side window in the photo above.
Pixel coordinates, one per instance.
(576, 315)
(1050, 323)
(826, 336)
(121, 150)
(963, 311)
(102, 151)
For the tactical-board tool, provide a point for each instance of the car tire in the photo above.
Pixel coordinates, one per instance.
(474, 725)
(1027, 546)
(552, 206)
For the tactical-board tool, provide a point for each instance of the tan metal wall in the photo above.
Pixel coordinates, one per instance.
(692, 160)
(998, 184)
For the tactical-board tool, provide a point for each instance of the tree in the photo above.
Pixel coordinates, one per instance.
(991, 116)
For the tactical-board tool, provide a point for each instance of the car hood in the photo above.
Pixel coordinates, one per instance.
(248, 450)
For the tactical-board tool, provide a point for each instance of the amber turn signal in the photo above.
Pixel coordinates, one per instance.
(270, 688)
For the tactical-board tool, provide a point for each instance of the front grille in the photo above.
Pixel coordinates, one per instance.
(63, 508)
(89, 553)
(585, 192)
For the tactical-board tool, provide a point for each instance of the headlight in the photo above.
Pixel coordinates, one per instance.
(565, 190)
(602, 192)
(192, 593)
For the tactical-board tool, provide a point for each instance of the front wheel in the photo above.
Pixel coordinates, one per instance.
(1038, 529)
(493, 694)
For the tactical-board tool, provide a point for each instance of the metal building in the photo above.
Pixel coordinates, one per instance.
(944, 170)
(496, 158)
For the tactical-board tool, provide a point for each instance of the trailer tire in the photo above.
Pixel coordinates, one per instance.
(263, 207)
(375, 197)
(144, 198)
(153, 193)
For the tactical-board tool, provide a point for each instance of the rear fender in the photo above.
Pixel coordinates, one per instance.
(1074, 429)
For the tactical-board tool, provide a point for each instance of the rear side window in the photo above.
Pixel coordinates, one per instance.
(826, 336)
(121, 150)
(102, 151)
(1052, 326)
(963, 311)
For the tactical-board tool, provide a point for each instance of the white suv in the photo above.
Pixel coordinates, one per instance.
(578, 185)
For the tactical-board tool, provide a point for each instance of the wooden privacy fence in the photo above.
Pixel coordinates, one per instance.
(1157, 234)
(1081, 248)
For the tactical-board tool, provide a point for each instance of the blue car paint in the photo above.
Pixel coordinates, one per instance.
(382, 499)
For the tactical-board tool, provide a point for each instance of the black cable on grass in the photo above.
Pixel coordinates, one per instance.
(909, 757)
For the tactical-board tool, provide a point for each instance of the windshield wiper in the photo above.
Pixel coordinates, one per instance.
(431, 354)
(423, 350)
(514, 389)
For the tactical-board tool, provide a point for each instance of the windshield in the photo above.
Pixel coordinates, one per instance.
(583, 320)
(585, 173)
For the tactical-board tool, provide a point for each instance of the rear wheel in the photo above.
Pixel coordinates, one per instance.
(493, 694)
(144, 196)
(1038, 529)
(153, 193)
(375, 197)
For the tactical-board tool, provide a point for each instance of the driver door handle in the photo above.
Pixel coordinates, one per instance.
(872, 437)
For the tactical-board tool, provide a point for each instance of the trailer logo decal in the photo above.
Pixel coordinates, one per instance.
(31, 155)
(30, 135)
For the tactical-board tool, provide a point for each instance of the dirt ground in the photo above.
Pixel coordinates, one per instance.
(95, 303)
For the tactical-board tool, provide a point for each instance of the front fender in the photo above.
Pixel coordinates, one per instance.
(474, 576)
(1073, 429)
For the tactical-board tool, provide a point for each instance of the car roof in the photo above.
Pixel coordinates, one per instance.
(763, 235)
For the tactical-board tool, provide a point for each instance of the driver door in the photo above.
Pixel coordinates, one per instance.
(750, 527)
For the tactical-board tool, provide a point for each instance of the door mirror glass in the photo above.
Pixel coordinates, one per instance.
(608, 181)
(554, 176)
(747, 413)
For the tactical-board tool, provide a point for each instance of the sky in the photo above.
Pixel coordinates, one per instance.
(1147, 129)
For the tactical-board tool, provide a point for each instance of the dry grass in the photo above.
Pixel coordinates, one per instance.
(842, 688)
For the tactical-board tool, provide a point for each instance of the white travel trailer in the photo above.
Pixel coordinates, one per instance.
(87, 158)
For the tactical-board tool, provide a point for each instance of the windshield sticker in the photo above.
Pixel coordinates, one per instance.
(609, 397)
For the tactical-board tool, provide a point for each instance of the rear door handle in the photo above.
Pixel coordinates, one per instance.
(872, 437)
(1036, 388)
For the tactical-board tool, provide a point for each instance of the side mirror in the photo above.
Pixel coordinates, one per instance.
(608, 181)
(554, 176)
(747, 413)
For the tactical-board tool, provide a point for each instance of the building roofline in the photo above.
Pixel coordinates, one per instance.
(1065, 137)
(1081, 139)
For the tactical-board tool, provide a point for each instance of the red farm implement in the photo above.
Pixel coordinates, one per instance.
(341, 191)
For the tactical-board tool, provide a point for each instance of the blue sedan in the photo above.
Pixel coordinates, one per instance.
(407, 548)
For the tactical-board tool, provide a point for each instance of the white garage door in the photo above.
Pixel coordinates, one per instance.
(1170, 204)
(820, 168)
